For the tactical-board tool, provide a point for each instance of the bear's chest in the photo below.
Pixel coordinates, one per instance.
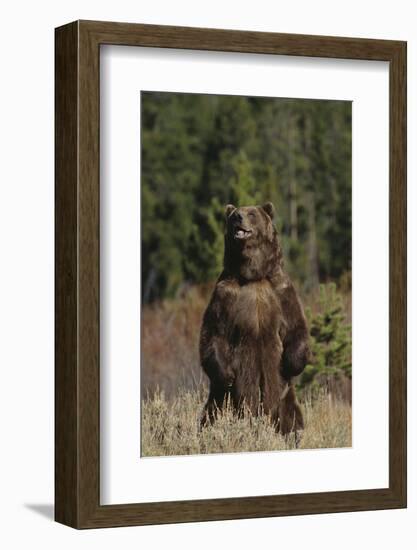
(254, 309)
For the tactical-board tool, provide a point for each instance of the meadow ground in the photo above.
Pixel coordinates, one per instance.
(170, 427)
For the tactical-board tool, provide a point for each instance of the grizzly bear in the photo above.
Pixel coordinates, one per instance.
(254, 335)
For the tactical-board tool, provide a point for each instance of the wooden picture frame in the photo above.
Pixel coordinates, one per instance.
(77, 359)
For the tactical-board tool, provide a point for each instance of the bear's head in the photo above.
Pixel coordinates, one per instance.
(250, 223)
(252, 250)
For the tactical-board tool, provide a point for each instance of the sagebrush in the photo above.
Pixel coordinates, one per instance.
(170, 427)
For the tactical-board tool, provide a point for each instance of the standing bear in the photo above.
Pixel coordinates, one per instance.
(254, 335)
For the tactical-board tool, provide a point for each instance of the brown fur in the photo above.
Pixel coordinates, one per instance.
(254, 335)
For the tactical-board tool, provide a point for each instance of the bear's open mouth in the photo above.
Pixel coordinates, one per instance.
(241, 233)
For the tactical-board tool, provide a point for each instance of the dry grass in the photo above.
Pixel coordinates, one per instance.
(170, 427)
(170, 335)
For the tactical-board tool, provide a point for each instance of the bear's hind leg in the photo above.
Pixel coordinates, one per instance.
(215, 402)
(290, 415)
(245, 396)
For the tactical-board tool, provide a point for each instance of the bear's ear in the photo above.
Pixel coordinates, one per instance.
(229, 209)
(268, 207)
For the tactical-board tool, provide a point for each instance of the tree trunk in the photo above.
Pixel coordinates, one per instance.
(312, 241)
(292, 178)
(312, 248)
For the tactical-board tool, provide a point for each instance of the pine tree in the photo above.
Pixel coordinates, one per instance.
(330, 340)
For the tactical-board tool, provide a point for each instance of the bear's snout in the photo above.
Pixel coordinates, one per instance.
(236, 217)
(240, 227)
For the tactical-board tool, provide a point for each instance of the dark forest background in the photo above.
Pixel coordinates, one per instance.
(200, 152)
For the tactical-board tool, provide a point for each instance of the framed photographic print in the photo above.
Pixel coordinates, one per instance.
(230, 274)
